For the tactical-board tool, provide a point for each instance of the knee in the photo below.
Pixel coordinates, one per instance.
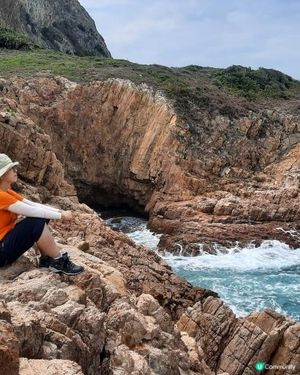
(36, 221)
(36, 225)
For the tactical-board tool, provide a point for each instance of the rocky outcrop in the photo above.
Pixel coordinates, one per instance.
(104, 321)
(128, 313)
(63, 26)
(49, 367)
(244, 175)
(235, 180)
(101, 319)
(125, 155)
(235, 345)
(108, 321)
(27, 143)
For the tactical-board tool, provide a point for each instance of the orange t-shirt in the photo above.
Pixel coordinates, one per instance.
(7, 219)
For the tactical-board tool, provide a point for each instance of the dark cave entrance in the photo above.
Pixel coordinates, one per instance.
(108, 202)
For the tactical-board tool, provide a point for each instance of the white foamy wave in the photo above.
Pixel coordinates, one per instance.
(248, 279)
(145, 237)
(236, 304)
(269, 255)
(136, 229)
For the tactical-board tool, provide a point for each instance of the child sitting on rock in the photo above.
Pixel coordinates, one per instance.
(18, 237)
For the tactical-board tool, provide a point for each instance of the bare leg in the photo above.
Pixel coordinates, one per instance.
(47, 245)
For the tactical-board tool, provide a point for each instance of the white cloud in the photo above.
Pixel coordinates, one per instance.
(205, 32)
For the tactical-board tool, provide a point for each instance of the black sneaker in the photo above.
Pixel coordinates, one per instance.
(64, 265)
(44, 261)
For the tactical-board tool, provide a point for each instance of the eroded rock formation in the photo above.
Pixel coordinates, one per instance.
(103, 324)
(236, 345)
(235, 180)
(102, 320)
(128, 313)
(60, 25)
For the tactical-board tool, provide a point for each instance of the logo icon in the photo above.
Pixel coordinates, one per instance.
(260, 366)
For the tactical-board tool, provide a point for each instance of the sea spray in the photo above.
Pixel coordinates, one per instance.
(248, 279)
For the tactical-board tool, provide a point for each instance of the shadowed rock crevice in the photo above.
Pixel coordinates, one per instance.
(103, 200)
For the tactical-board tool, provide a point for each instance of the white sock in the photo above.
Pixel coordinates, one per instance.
(59, 256)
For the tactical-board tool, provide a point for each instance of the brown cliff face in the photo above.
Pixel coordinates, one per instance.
(110, 136)
(26, 142)
(120, 143)
(127, 313)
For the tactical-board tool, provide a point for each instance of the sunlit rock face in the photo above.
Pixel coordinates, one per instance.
(61, 25)
(114, 139)
(128, 312)
(119, 143)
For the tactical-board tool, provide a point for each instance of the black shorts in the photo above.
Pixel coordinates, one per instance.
(20, 239)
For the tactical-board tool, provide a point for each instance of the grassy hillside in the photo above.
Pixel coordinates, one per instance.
(194, 89)
(253, 84)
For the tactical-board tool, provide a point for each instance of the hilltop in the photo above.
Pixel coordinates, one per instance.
(59, 25)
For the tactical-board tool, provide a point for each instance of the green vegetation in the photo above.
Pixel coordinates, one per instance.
(89, 68)
(13, 40)
(198, 93)
(202, 87)
(255, 84)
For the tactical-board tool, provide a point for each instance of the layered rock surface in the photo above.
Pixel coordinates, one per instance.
(235, 179)
(236, 345)
(100, 320)
(128, 313)
(60, 25)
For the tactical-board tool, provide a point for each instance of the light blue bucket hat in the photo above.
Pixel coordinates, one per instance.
(6, 163)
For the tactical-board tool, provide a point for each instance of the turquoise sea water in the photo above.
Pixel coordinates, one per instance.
(247, 279)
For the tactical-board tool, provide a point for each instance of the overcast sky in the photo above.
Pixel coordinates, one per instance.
(216, 33)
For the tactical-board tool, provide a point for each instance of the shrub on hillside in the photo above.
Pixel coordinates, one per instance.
(13, 40)
(254, 84)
